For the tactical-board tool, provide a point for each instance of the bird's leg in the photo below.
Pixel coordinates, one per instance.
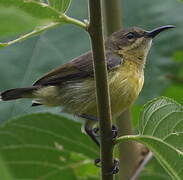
(93, 133)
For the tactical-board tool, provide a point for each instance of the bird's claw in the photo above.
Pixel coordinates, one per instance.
(114, 131)
(115, 168)
(97, 161)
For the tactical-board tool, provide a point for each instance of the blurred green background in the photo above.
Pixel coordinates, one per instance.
(22, 63)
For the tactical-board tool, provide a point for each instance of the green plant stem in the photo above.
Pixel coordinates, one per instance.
(123, 139)
(70, 20)
(33, 33)
(128, 151)
(102, 88)
(63, 18)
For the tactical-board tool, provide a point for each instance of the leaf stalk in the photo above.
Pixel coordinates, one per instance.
(70, 20)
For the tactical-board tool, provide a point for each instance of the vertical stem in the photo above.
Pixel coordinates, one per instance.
(112, 15)
(102, 88)
(128, 151)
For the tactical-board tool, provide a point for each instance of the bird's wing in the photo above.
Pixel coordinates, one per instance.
(80, 67)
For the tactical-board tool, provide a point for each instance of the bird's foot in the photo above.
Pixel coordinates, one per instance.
(97, 162)
(114, 131)
(115, 168)
(94, 133)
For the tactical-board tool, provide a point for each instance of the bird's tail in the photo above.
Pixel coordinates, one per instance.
(17, 93)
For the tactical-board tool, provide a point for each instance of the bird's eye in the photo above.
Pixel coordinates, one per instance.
(130, 36)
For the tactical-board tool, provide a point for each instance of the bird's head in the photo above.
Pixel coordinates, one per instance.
(134, 42)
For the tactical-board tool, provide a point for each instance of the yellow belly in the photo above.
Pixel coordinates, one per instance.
(125, 84)
(125, 89)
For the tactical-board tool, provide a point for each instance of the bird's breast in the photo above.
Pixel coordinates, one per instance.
(125, 85)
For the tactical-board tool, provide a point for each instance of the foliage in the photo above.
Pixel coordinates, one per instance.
(24, 62)
(48, 48)
(5, 173)
(28, 18)
(67, 152)
(61, 6)
(47, 146)
(161, 130)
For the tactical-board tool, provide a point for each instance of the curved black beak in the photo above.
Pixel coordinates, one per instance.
(155, 32)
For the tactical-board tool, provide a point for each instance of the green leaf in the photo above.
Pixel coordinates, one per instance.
(20, 17)
(29, 18)
(163, 118)
(170, 158)
(27, 15)
(60, 5)
(161, 130)
(4, 171)
(47, 146)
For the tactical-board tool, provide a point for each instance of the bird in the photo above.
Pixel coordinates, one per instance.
(72, 85)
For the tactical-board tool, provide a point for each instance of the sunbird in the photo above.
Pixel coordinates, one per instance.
(72, 85)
